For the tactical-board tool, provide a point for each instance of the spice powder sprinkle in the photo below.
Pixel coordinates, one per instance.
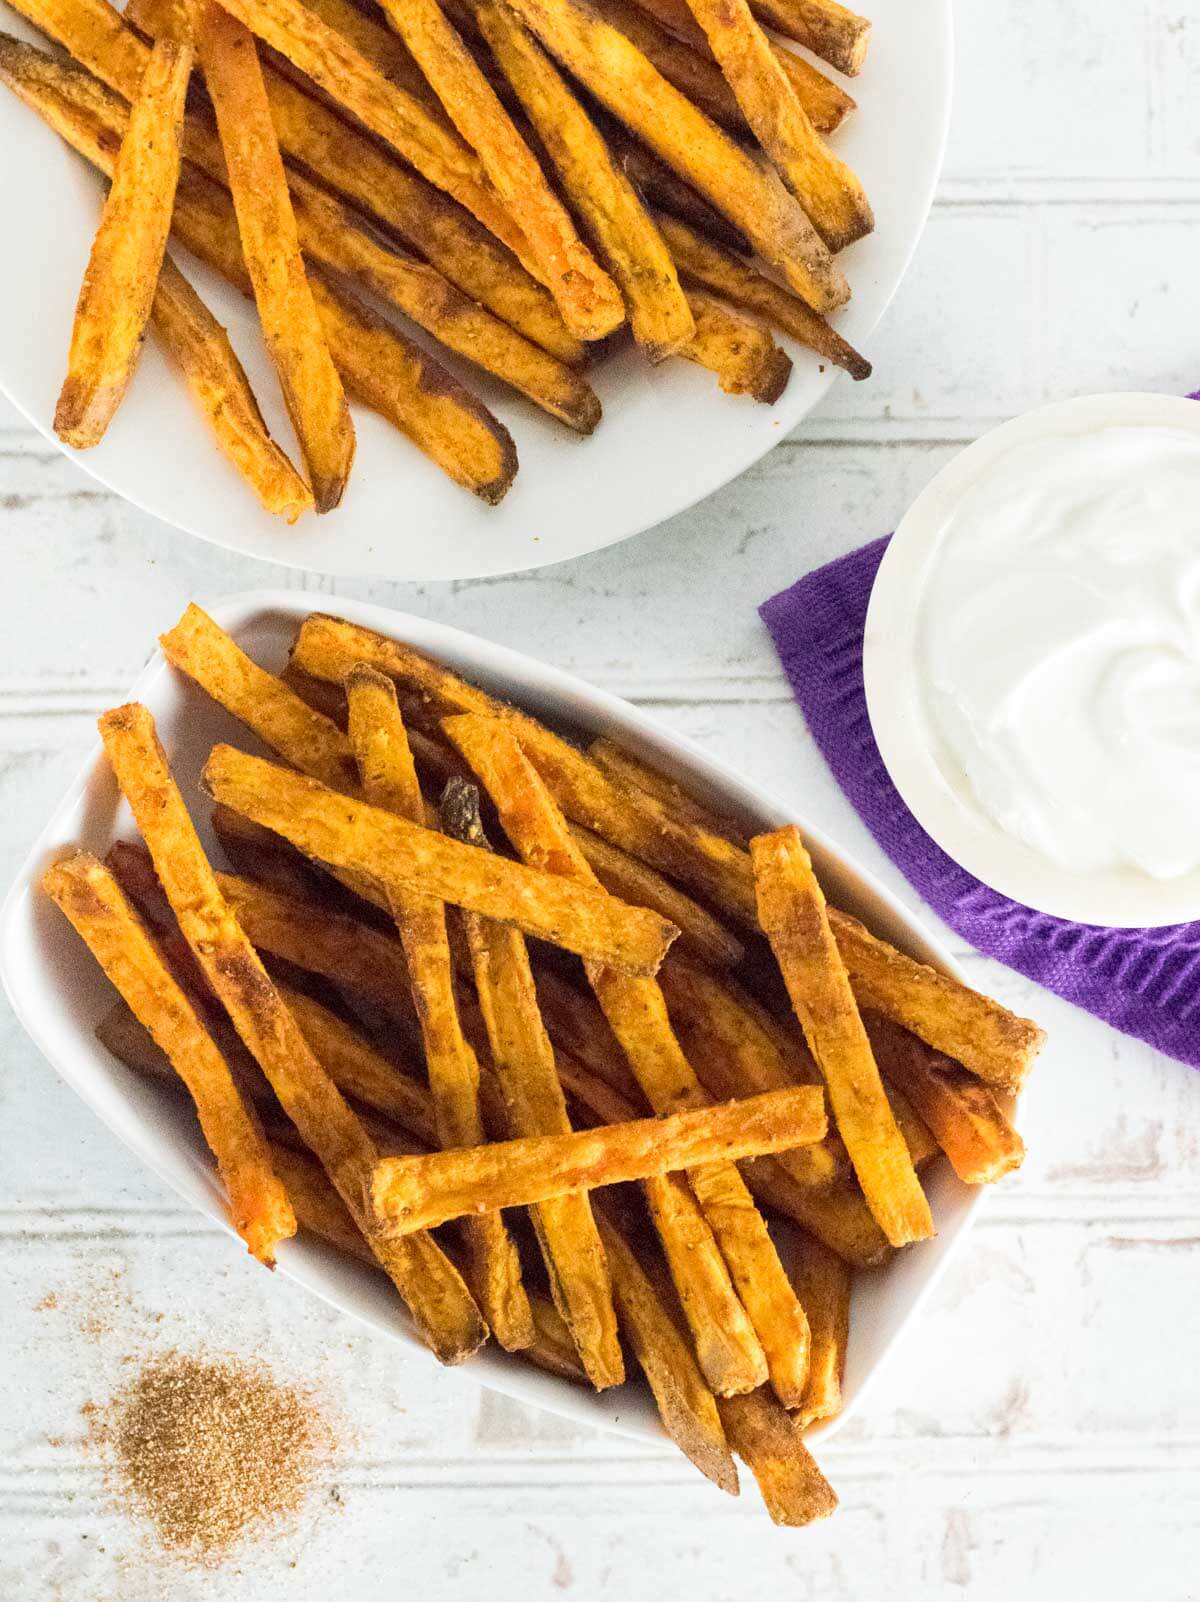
(208, 1450)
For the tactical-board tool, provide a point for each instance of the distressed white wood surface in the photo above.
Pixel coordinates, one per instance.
(1039, 1434)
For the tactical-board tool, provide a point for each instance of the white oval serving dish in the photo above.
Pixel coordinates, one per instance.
(60, 994)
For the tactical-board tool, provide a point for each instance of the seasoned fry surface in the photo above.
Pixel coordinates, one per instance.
(792, 913)
(91, 898)
(122, 272)
(420, 1193)
(312, 389)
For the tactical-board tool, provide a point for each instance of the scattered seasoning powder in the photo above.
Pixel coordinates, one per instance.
(209, 1450)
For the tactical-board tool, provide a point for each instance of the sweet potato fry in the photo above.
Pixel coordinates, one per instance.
(523, 1059)
(700, 934)
(351, 164)
(694, 74)
(386, 52)
(716, 269)
(995, 1045)
(739, 350)
(319, 1208)
(826, 102)
(829, 30)
(663, 188)
(967, 1120)
(403, 383)
(435, 1293)
(350, 834)
(728, 1351)
(603, 197)
(629, 770)
(792, 913)
(423, 1192)
(824, 185)
(389, 780)
(200, 348)
(618, 74)
(398, 118)
(122, 271)
(733, 1055)
(822, 1281)
(771, 1444)
(200, 648)
(637, 1013)
(686, 1405)
(292, 328)
(586, 296)
(552, 1348)
(90, 897)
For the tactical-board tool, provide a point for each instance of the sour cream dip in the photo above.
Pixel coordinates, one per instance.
(1039, 704)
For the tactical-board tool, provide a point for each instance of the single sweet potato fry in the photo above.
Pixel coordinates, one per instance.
(967, 1120)
(586, 296)
(829, 30)
(822, 1282)
(692, 72)
(292, 328)
(201, 648)
(685, 1403)
(122, 271)
(660, 186)
(753, 199)
(431, 1286)
(398, 118)
(602, 196)
(389, 780)
(823, 184)
(839, 1217)
(728, 1351)
(523, 1059)
(737, 348)
(87, 893)
(350, 834)
(826, 102)
(200, 348)
(712, 267)
(423, 1192)
(792, 913)
(771, 1444)
(637, 1013)
(632, 772)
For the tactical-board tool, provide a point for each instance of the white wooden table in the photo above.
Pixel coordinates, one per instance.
(1039, 1434)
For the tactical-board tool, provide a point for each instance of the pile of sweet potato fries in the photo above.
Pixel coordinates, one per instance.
(537, 1033)
(522, 179)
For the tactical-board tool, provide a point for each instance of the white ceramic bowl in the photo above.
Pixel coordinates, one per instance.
(669, 437)
(60, 994)
(1118, 897)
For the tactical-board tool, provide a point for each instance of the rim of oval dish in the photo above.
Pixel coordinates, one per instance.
(1115, 898)
(664, 446)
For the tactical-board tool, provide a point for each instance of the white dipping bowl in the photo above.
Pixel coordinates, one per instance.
(60, 995)
(1114, 897)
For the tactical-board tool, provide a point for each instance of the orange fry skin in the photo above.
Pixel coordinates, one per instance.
(423, 1192)
(822, 1281)
(792, 914)
(771, 1443)
(85, 890)
(119, 284)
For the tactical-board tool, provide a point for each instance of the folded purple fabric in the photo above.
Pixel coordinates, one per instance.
(1145, 982)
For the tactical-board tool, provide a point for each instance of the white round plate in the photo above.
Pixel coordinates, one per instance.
(1113, 898)
(668, 438)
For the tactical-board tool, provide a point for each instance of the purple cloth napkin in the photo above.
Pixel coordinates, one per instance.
(1145, 982)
